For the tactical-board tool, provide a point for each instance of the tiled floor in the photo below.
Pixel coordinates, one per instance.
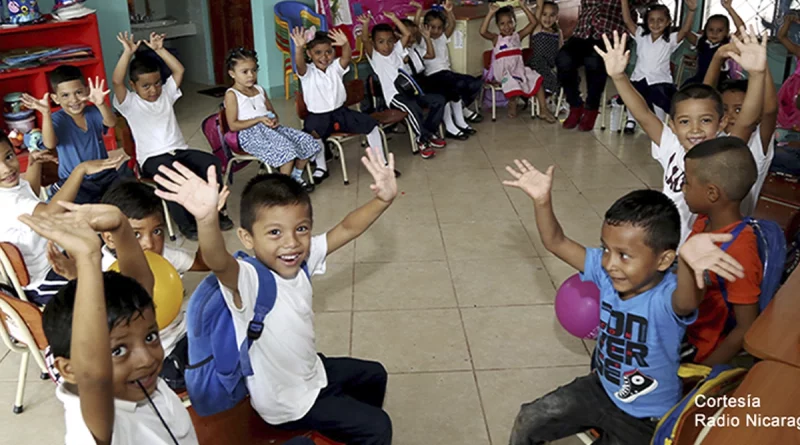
(451, 289)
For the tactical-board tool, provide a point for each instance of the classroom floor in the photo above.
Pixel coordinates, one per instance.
(451, 289)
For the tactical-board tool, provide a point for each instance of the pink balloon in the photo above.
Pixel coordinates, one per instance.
(578, 307)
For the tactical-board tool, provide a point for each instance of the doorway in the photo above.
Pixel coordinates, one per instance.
(231, 27)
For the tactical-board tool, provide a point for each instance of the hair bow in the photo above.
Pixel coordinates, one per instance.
(437, 7)
(310, 33)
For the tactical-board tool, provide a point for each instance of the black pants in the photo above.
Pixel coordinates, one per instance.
(349, 409)
(195, 160)
(574, 54)
(659, 94)
(92, 188)
(423, 127)
(454, 86)
(577, 407)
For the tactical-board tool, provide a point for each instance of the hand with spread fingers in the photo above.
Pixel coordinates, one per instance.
(701, 253)
(534, 183)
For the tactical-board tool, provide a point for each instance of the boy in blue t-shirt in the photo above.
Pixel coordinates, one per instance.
(644, 311)
(76, 130)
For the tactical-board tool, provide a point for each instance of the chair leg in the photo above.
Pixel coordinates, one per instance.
(168, 218)
(385, 144)
(39, 359)
(309, 173)
(286, 85)
(494, 104)
(412, 138)
(560, 101)
(268, 167)
(603, 110)
(229, 170)
(23, 371)
(534, 107)
(341, 159)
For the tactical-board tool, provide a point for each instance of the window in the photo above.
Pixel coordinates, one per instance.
(756, 13)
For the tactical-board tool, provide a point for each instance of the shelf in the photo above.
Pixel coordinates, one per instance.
(53, 24)
(46, 68)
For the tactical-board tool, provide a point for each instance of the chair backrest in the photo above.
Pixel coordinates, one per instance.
(487, 58)
(23, 321)
(14, 268)
(128, 144)
(300, 105)
(354, 89)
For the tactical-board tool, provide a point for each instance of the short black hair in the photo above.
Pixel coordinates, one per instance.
(65, 73)
(433, 15)
(142, 65)
(698, 91)
(320, 38)
(270, 190)
(727, 163)
(719, 17)
(654, 212)
(408, 22)
(238, 54)
(134, 199)
(381, 27)
(505, 10)
(126, 300)
(739, 85)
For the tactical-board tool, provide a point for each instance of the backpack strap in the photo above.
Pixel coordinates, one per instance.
(265, 301)
(730, 323)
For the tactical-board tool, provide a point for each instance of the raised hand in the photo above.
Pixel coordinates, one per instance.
(493, 7)
(752, 55)
(223, 198)
(415, 5)
(41, 105)
(128, 44)
(156, 41)
(338, 37)
(390, 15)
(425, 30)
(68, 230)
(62, 264)
(99, 165)
(701, 254)
(385, 183)
(364, 19)
(100, 217)
(299, 37)
(534, 183)
(199, 197)
(96, 94)
(448, 5)
(691, 5)
(615, 56)
(41, 156)
(727, 4)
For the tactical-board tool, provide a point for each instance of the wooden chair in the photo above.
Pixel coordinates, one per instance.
(391, 116)
(355, 94)
(15, 273)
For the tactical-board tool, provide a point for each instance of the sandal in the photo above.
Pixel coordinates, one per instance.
(461, 136)
(468, 131)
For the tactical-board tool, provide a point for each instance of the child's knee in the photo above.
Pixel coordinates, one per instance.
(381, 426)
(376, 372)
(535, 416)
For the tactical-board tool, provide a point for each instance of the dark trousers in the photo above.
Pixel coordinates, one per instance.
(423, 127)
(577, 407)
(349, 409)
(195, 160)
(574, 54)
(455, 86)
(92, 188)
(659, 94)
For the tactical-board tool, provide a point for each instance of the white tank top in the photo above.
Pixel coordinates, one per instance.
(251, 107)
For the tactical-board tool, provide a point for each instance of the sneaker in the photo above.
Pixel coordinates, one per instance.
(225, 223)
(588, 120)
(426, 151)
(634, 385)
(437, 142)
(308, 187)
(575, 115)
(630, 127)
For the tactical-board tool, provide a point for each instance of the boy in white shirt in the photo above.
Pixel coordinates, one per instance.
(20, 196)
(292, 386)
(103, 334)
(151, 117)
(696, 113)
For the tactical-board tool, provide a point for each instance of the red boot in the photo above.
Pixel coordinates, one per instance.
(575, 115)
(589, 117)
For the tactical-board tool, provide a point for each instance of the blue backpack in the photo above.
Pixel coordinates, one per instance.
(215, 376)
(771, 251)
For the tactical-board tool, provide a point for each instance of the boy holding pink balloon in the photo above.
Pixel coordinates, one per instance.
(645, 308)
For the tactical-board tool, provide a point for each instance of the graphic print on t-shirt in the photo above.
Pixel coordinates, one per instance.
(623, 341)
(673, 176)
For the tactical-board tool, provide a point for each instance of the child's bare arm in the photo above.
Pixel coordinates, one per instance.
(769, 114)
(34, 173)
(340, 39)
(745, 315)
(404, 31)
(538, 186)
(299, 38)
(201, 197)
(485, 33)
(630, 24)
(451, 18)
(97, 96)
(688, 20)
(417, 11)
(366, 40)
(69, 190)
(539, 11)
(359, 220)
(783, 34)
(715, 67)
(753, 58)
(49, 138)
(156, 43)
(697, 255)
(129, 47)
(532, 20)
(738, 23)
(616, 60)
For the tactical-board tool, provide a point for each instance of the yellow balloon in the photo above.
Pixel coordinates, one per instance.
(168, 289)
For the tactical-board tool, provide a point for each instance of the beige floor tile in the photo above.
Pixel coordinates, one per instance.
(602, 200)
(435, 408)
(412, 209)
(416, 285)
(9, 367)
(650, 173)
(520, 337)
(333, 333)
(608, 176)
(412, 341)
(482, 240)
(582, 157)
(569, 205)
(411, 182)
(503, 392)
(398, 242)
(469, 207)
(464, 181)
(585, 231)
(456, 157)
(503, 156)
(522, 281)
(42, 421)
(558, 270)
(333, 291)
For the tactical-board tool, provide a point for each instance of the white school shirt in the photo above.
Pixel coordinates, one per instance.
(287, 372)
(323, 91)
(386, 68)
(16, 201)
(153, 124)
(135, 423)
(251, 107)
(441, 60)
(763, 161)
(669, 153)
(182, 261)
(652, 58)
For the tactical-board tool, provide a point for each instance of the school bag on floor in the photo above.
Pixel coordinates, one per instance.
(218, 366)
(679, 426)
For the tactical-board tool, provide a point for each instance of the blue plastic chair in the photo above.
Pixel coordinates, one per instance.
(293, 14)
